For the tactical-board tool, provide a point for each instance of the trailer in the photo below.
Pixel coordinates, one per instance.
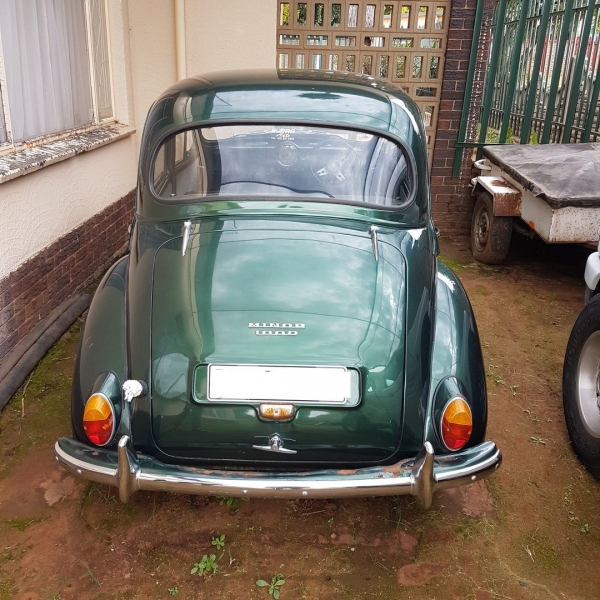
(550, 190)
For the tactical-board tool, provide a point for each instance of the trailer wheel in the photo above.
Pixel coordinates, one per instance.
(581, 386)
(490, 235)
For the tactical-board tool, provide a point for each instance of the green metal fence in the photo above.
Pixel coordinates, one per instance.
(542, 82)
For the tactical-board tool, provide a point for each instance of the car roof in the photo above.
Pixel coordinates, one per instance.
(283, 96)
(295, 97)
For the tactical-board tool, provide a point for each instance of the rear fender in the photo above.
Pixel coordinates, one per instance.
(102, 349)
(457, 362)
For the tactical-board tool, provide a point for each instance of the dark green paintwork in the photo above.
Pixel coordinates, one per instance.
(403, 322)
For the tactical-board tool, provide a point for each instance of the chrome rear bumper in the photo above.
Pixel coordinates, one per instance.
(420, 476)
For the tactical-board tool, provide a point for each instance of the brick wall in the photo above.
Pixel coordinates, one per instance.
(65, 267)
(452, 203)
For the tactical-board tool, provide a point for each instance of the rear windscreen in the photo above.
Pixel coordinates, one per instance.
(252, 161)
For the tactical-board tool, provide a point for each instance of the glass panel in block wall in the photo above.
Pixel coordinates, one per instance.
(352, 15)
(422, 17)
(430, 92)
(299, 61)
(374, 40)
(336, 15)
(428, 114)
(289, 40)
(367, 64)
(370, 15)
(345, 40)
(440, 11)
(284, 61)
(434, 63)
(431, 42)
(317, 61)
(301, 13)
(404, 17)
(316, 40)
(319, 15)
(334, 62)
(402, 42)
(387, 16)
(351, 63)
(417, 66)
(400, 66)
(384, 62)
(284, 13)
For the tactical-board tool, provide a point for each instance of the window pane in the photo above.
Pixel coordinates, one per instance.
(254, 161)
(99, 43)
(350, 63)
(54, 92)
(3, 136)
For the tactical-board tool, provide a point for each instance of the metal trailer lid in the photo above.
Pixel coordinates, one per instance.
(561, 174)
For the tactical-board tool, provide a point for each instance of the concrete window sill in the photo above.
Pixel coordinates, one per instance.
(33, 158)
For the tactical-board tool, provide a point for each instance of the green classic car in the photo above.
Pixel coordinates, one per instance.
(281, 326)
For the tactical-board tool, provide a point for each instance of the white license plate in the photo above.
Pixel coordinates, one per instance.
(289, 384)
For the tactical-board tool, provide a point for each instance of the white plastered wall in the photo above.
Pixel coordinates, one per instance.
(230, 34)
(38, 208)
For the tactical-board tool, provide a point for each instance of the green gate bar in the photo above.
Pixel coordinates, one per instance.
(469, 86)
(584, 37)
(538, 86)
(539, 52)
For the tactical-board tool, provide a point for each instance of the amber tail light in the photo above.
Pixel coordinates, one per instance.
(457, 423)
(99, 419)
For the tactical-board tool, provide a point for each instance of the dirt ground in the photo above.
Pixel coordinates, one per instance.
(530, 531)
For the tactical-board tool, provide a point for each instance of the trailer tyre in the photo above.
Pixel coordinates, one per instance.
(581, 386)
(490, 235)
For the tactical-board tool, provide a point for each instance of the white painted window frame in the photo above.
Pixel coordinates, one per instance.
(9, 146)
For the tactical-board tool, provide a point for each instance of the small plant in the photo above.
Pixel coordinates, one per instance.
(537, 440)
(231, 502)
(173, 591)
(89, 571)
(585, 528)
(208, 563)
(276, 582)
(218, 542)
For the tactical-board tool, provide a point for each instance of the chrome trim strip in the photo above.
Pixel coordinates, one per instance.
(375, 241)
(186, 230)
(419, 477)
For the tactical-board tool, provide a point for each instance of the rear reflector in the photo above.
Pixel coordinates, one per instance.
(98, 420)
(457, 423)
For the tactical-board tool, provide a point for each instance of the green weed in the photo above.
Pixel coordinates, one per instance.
(206, 564)
(274, 587)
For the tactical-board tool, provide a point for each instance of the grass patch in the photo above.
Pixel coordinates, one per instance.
(21, 524)
(7, 589)
(456, 265)
(540, 550)
(40, 410)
